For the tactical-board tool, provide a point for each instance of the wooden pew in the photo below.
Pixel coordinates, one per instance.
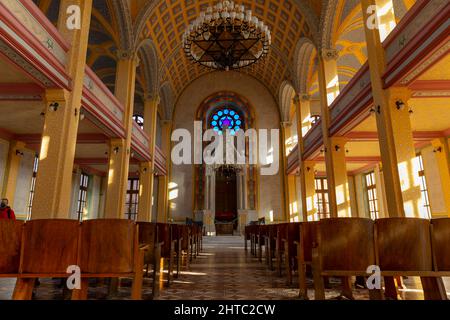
(110, 249)
(185, 241)
(10, 239)
(168, 248)
(247, 236)
(279, 249)
(270, 244)
(440, 237)
(404, 248)
(260, 239)
(181, 236)
(289, 239)
(48, 248)
(345, 248)
(307, 242)
(148, 235)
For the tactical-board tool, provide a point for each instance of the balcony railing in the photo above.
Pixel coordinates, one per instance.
(140, 141)
(104, 107)
(31, 41)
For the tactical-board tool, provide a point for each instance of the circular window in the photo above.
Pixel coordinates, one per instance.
(226, 118)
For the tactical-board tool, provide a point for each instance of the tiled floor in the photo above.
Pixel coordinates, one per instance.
(224, 271)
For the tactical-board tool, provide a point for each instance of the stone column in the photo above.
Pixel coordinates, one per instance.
(119, 161)
(163, 185)
(340, 177)
(327, 74)
(394, 131)
(285, 129)
(59, 137)
(148, 168)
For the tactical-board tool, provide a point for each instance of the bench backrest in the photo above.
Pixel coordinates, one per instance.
(108, 246)
(49, 246)
(147, 233)
(10, 242)
(165, 235)
(441, 243)
(292, 235)
(309, 238)
(403, 244)
(346, 244)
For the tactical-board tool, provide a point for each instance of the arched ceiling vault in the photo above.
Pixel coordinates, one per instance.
(164, 22)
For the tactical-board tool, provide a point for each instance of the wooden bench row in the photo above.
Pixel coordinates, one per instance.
(100, 248)
(346, 247)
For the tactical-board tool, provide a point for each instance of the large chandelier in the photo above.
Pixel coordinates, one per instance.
(226, 37)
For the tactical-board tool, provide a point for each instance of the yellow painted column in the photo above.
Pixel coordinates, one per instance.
(12, 171)
(327, 71)
(302, 198)
(340, 177)
(305, 112)
(394, 131)
(163, 183)
(442, 156)
(59, 137)
(310, 187)
(285, 130)
(147, 168)
(294, 215)
(119, 161)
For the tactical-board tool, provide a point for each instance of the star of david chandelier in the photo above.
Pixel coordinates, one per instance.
(226, 37)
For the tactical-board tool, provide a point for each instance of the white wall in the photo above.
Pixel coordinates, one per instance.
(267, 117)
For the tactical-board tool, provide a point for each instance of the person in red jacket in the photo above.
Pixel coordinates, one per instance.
(5, 211)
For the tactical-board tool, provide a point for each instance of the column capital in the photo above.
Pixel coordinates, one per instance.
(152, 98)
(399, 94)
(330, 54)
(286, 124)
(127, 55)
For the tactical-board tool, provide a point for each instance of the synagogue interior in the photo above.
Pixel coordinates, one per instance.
(224, 150)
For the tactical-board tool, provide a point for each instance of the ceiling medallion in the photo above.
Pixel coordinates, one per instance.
(226, 37)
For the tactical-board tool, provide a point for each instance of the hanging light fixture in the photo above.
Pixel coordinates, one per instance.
(227, 36)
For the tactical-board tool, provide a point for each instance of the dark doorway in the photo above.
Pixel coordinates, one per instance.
(226, 201)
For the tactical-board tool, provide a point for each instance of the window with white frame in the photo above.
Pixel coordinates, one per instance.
(372, 197)
(82, 197)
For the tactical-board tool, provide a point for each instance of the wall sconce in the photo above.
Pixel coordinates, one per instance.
(19, 153)
(145, 170)
(116, 150)
(347, 151)
(400, 105)
(132, 155)
(337, 148)
(411, 111)
(438, 150)
(375, 110)
(308, 169)
(53, 106)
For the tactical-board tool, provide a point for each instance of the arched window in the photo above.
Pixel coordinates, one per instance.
(226, 118)
(139, 120)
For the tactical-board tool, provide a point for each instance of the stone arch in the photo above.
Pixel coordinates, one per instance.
(286, 94)
(167, 100)
(303, 53)
(122, 15)
(150, 66)
(327, 23)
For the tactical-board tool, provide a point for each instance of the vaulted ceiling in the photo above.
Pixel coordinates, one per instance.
(169, 19)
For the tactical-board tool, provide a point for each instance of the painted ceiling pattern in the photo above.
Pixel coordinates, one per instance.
(169, 20)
